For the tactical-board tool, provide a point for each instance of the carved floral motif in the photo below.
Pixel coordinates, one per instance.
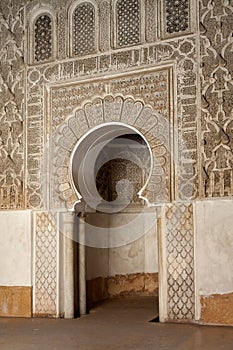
(66, 98)
(11, 106)
(217, 92)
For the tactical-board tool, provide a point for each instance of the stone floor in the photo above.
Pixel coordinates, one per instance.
(116, 324)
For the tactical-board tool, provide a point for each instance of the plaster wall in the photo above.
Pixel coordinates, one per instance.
(97, 259)
(15, 248)
(138, 256)
(213, 250)
(15, 264)
(128, 269)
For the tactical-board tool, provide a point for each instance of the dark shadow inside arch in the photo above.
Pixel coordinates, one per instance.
(111, 164)
(125, 158)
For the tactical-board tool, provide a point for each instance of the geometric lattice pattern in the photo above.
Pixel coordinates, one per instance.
(180, 262)
(84, 29)
(177, 15)
(43, 38)
(128, 22)
(45, 264)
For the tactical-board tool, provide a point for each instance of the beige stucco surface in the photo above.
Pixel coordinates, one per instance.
(213, 249)
(137, 256)
(15, 248)
(214, 246)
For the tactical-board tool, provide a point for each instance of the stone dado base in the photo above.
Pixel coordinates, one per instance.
(145, 284)
(217, 309)
(15, 301)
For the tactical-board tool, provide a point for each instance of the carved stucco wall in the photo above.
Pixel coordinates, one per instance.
(215, 64)
(117, 109)
(195, 96)
(182, 52)
(68, 97)
(12, 141)
(216, 86)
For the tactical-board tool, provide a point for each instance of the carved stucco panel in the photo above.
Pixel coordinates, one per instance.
(12, 187)
(153, 87)
(182, 51)
(104, 22)
(35, 137)
(112, 109)
(151, 20)
(62, 34)
(217, 92)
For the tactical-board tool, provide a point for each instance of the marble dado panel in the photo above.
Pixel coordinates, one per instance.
(45, 264)
(181, 53)
(180, 262)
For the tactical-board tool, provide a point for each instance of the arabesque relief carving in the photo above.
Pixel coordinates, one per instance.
(113, 109)
(12, 146)
(14, 54)
(217, 88)
(67, 97)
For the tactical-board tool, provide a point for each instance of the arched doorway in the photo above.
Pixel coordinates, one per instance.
(109, 169)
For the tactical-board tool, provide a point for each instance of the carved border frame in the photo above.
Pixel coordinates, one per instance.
(181, 53)
(69, 132)
(36, 12)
